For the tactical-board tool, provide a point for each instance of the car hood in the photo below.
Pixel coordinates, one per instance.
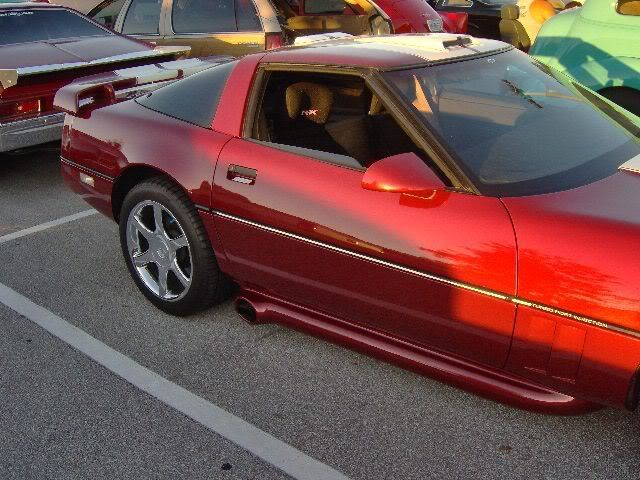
(67, 51)
(578, 250)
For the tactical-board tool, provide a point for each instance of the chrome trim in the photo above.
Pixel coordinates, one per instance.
(395, 266)
(443, 280)
(632, 165)
(19, 134)
(91, 171)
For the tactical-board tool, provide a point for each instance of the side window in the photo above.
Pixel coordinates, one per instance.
(203, 16)
(316, 7)
(143, 17)
(329, 114)
(247, 16)
(629, 7)
(194, 99)
(107, 12)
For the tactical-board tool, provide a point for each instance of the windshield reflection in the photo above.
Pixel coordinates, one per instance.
(516, 126)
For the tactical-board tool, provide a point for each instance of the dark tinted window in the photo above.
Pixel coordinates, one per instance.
(324, 6)
(516, 127)
(194, 99)
(19, 26)
(107, 12)
(203, 16)
(247, 17)
(142, 17)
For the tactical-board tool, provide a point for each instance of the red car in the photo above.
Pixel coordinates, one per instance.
(43, 47)
(442, 202)
(417, 16)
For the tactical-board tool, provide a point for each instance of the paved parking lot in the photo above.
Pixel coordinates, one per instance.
(63, 415)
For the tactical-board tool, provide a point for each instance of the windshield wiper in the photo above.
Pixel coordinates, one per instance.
(518, 91)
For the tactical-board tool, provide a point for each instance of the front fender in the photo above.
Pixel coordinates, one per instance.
(586, 63)
(609, 72)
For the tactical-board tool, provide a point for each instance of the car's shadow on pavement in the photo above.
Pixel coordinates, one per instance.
(32, 190)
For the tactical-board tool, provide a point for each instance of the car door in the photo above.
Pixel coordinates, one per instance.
(434, 270)
(214, 27)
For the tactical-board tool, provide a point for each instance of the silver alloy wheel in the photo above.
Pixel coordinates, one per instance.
(159, 250)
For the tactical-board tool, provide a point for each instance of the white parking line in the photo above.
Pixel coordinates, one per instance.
(47, 225)
(258, 442)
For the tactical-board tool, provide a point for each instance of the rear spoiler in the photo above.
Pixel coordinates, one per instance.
(10, 77)
(632, 165)
(89, 93)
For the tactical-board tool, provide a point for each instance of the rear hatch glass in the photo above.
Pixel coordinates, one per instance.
(23, 26)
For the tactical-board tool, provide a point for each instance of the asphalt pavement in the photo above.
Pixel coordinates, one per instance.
(64, 415)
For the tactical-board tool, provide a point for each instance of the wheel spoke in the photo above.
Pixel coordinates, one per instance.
(157, 217)
(178, 243)
(163, 272)
(155, 253)
(138, 227)
(182, 278)
(142, 259)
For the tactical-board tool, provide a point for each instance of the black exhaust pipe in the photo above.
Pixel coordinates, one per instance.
(246, 310)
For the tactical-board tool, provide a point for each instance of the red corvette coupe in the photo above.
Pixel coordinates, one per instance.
(442, 202)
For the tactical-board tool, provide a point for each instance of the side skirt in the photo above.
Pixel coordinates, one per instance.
(256, 307)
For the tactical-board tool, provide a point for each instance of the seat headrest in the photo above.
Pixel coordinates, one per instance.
(318, 105)
(376, 107)
(510, 12)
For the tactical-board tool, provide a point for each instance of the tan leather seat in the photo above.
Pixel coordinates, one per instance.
(309, 100)
(308, 106)
(511, 30)
(629, 7)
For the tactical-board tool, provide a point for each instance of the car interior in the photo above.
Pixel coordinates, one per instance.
(335, 114)
(309, 17)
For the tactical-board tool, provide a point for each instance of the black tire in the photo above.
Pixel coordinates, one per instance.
(626, 97)
(208, 285)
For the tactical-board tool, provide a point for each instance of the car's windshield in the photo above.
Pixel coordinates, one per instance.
(37, 25)
(516, 127)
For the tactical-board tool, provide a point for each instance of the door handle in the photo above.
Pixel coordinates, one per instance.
(240, 174)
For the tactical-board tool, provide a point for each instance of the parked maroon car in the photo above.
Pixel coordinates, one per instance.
(43, 47)
(387, 193)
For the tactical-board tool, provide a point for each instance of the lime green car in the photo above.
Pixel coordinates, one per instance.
(597, 44)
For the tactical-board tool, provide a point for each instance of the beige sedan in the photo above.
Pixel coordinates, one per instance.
(238, 27)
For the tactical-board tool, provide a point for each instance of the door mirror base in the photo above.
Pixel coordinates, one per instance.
(402, 173)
